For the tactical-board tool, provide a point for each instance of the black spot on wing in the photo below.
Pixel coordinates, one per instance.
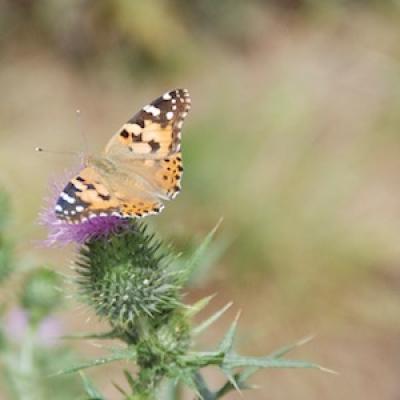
(137, 138)
(154, 145)
(104, 197)
(71, 189)
(124, 133)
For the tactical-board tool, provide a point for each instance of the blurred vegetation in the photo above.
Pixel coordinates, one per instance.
(6, 261)
(293, 138)
(150, 37)
(28, 328)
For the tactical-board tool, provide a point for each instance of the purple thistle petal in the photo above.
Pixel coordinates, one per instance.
(60, 232)
(50, 330)
(16, 324)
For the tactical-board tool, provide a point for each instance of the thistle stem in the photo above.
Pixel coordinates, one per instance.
(202, 388)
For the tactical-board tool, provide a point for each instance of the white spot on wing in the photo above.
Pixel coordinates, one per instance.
(67, 198)
(152, 110)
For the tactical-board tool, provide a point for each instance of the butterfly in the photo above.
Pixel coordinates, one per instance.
(140, 167)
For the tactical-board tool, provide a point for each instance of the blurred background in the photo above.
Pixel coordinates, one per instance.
(293, 138)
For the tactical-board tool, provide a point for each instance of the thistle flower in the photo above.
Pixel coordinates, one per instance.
(49, 331)
(61, 233)
(132, 280)
(16, 325)
(127, 279)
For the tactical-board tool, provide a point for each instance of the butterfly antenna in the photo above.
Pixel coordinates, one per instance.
(82, 131)
(42, 150)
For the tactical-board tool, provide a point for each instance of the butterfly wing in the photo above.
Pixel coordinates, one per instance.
(148, 145)
(147, 166)
(88, 195)
(85, 196)
(155, 131)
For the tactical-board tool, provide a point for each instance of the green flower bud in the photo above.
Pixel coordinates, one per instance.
(40, 295)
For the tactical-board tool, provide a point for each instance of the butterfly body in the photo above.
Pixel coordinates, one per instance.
(140, 167)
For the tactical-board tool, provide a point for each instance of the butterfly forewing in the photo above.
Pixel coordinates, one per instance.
(155, 131)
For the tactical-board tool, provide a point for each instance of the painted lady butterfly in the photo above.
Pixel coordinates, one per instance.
(141, 166)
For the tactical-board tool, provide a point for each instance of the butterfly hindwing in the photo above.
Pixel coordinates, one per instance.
(137, 208)
(166, 174)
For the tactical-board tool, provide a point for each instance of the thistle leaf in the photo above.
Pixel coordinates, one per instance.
(90, 389)
(129, 378)
(286, 349)
(105, 335)
(201, 388)
(227, 342)
(232, 380)
(209, 321)
(234, 361)
(170, 390)
(244, 375)
(119, 388)
(199, 254)
(191, 382)
(194, 309)
(116, 356)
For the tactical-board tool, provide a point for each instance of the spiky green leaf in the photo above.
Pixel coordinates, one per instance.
(209, 321)
(227, 342)
(194, 309)
(200, 253)
(90, 389)
(232, 361)
(128, 354)
(286, 349)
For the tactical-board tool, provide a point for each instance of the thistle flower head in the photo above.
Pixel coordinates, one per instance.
(127, 279)
(60, 232)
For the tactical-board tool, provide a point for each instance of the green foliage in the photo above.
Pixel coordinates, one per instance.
(159, 36)
(6, 259)
(27, 355)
